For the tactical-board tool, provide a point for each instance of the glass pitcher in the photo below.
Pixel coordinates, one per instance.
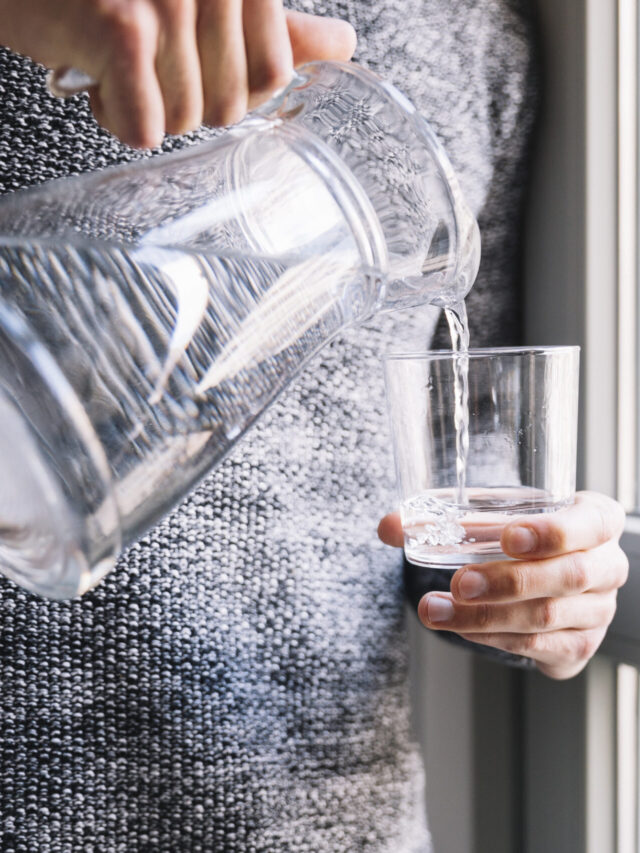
(149, 313)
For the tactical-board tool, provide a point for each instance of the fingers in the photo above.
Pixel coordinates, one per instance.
(164, 65)
(557, 654)
(221, 49)
(268, 49)
(592, 520)
(178, 66)
(542, 615)
(554, 608)
(313, 38)
(597, 570)
(560, 635)
(248, 51)
(148, 70)
(390, 530)
(167, 65)
(128, 100)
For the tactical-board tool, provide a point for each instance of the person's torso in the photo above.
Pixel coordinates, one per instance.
(239, 682)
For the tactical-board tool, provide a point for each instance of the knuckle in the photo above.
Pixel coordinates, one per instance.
(269, 75)
(609, 517)
(547, 613)
(127, 25)
(226, 110)
(555, 538)
(611, 510)
(530, 644)
(623, 568)
(139, 132)
(610, 609)
(180, 124)
(483, 617)
(182, 117)
(517, 581)
(178, 11)
(584, 646)
(577, 572)
(619, 518)
(141, 137)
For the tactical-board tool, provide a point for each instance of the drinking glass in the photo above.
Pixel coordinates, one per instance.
(479, 439)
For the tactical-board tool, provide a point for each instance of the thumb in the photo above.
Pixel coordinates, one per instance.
(390, 530)
(314, 38)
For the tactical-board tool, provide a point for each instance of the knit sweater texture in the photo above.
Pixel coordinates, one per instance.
(239, 682)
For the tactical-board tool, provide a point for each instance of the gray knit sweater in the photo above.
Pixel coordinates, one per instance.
(239, 682)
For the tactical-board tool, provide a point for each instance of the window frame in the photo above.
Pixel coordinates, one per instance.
(577, 248)
(623, 638)
(546, 773)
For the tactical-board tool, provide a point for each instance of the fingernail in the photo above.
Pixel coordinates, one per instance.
(439, 609)
(472, 585)
(522, 540)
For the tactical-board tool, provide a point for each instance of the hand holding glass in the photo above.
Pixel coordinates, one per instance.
(521, 454)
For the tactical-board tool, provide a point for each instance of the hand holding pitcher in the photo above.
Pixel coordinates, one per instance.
(162, 66)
